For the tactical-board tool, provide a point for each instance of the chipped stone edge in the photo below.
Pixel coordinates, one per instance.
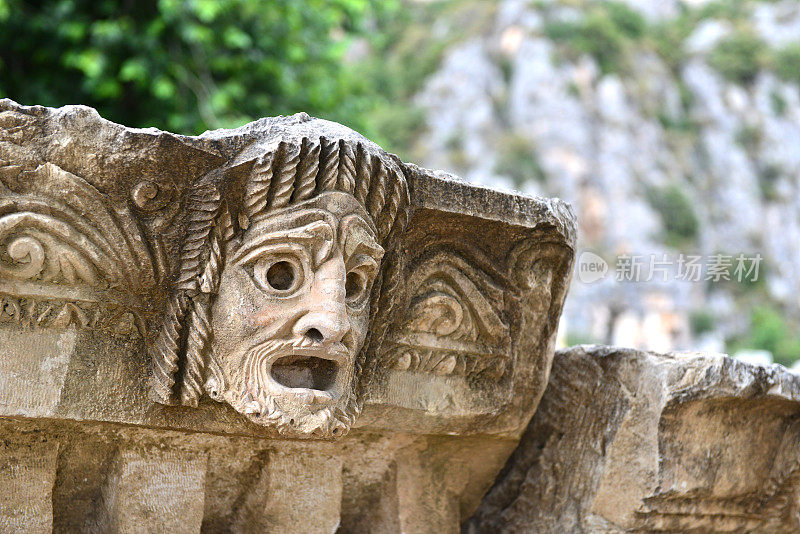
(721, 376)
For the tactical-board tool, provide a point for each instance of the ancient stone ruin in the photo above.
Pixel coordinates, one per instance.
(283, 328)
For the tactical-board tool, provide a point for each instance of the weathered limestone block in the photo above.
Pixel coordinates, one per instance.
(630, 441)
(32, 379)
(27, 477)
(283, 305)
(153, 490)
(294, 491)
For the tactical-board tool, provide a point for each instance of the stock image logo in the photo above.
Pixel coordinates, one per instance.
(713, 268)
(591, 267)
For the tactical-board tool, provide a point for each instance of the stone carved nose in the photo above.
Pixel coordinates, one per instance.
(326, 320)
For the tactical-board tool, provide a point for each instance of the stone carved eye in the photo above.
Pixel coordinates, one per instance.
(359, 280)
(354, 286)
(281, 275)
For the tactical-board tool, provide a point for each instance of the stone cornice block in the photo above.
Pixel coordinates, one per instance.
(146, 278)
(672, 442)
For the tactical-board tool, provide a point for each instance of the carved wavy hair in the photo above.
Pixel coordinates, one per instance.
(289, 174)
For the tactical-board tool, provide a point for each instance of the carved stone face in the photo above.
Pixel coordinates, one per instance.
(292, 314)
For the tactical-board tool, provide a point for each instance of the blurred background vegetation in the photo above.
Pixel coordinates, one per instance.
(192, 65)
(188, 66)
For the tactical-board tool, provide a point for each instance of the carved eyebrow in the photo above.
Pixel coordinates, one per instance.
(367, 244)
(368, 248)
(318, 231)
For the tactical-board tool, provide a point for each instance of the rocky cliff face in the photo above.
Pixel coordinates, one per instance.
(672, 127)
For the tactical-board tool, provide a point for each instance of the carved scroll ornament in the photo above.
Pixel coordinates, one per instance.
(69, 259)
(452, 325)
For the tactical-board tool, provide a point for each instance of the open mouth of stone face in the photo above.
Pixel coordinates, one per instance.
(308, 372)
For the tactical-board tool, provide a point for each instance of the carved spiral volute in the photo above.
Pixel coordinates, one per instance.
(441, 313)
(27, 257)
(69, 256)
(35, 246)
(74, 238)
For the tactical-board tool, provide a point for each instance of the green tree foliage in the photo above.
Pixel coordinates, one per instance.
(787, 63)
(701, 321)
(187, 65)
(740, 57)
(769, 330)
(606, 33)
(408, 45)
(677, 215)
(518, 160)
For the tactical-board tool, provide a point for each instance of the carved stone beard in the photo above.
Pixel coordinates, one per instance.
(253, 393)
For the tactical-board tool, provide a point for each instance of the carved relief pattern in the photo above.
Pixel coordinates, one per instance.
(149, 196)
(775, 510)
(58, 254)
(136, 233)
(773, 507)
(453, 323)
(14, 127)
(111, 319)
(80, 241)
